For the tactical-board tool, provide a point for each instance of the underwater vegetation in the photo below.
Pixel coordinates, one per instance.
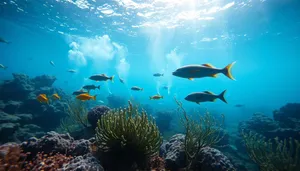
(273, 154)
(127, 137)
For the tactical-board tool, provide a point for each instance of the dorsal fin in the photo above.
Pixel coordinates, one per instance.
(208, 65)
(208, 92)
(102, 74)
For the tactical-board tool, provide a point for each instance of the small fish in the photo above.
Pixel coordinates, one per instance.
(101, 77)
(100, 101)
(78, 92)
(71, 71)
(239, 105)
(84, 97)
(136, 88)
(52, 63)
(165, 87)
(56, 96)
(4, 41)
(158, 75)
(205, 96)
(2, 66)
(204, 70)
(91, 87)
(156, 97)
(42, 98)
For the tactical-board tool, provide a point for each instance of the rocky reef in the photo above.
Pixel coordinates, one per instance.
(21, 115)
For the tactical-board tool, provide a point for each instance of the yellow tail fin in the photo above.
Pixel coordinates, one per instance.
(227, 70)
(112, 78)
(94, 97)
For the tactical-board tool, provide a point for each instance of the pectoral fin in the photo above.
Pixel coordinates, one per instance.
(208, 65)
(214, 75)
(192, 79)
(213, 100)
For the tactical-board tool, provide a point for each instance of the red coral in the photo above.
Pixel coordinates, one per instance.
(157, 164)
(11, 157)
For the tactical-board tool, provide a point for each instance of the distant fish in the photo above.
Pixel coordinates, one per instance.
(101, 77)
(71, 71)
(121, 80)
(156, 97)
(91, 87)
(42, 98)
(78, 92)
(204, 70)
(158, 75)
(4, 41)
(239, 105)
(205, 96)
(165, 87)
(136, 88)
(84, 97)
(2, 66)
(56, 96)
(52, 63)
(30, 59)
(100, 101)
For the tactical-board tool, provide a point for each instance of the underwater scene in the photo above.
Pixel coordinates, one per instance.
(149, 85)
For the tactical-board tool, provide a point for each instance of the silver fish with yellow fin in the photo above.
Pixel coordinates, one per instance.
(204, 70)
(205, 96)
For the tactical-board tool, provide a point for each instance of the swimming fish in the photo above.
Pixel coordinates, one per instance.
(156, 97)
(52, 63)
(2, 66)
(78, 92)
(42, 98)
(100, 101)
(84, 97)
(239, 105)
(165, 87)
(4, 41)
(101, 77)
(71, 71)
(205, 96)
(158, 75)
(136, 88)
(204, 70)
(91, 87)
(56, 96)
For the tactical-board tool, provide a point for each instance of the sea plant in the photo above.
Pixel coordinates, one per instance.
(273, 154)
(77, 116)
(198, 134)
(127, 137)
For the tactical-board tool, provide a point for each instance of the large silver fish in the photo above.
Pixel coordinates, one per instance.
(204, 70)
(136, 88)
(205, 96)
(101, 77)
(91, 87)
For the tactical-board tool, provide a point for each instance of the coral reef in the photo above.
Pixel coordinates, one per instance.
(95, 113)
(175, 153)
(11, 157)
(86, 162)
(157, 164)
(273, 154)
(127, 137)
(22, 115)
(288, 116)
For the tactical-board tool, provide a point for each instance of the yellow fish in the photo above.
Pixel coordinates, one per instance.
(156, 97)
(42, 98)
(84, 97)
(56, 96)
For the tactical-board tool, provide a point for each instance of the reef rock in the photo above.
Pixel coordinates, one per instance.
(95, 113)
(7, 130)
(210, 159)
(12, 107)
(56, 143)
(116, 101)
(175, 155)
(83, 163)
(288, 116)
(43, 81)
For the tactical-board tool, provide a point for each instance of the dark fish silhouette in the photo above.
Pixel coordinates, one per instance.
(239, 105)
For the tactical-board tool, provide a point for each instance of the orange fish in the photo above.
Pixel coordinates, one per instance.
(84, 97)
(56, 96)
(42, 98)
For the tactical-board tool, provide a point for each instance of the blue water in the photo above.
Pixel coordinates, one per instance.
(135, 39)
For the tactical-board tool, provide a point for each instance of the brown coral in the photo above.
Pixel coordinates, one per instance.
(47, 162)
(157, 164)
(11, 157)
